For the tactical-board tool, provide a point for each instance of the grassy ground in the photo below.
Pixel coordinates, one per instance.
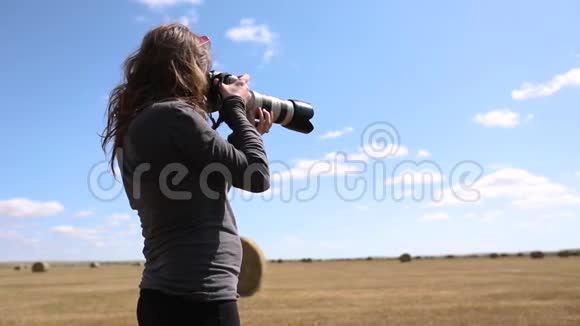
(506, 291)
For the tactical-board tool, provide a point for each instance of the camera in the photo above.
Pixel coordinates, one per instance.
(291, 114)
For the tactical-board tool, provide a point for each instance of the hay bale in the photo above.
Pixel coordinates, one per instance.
(18, 267)
(280, 261)
(493, 256)
(40, 267)
(520, 254)
(252, 269)
(405, 258)
(504, 255)
(94, 265)
(418, 257)
(449, 257)
(306, 260)
(564, 254)
(537, 255)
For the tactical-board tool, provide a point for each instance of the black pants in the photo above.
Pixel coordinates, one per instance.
(156, 308)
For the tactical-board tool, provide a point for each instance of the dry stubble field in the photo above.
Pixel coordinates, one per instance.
(507, 291)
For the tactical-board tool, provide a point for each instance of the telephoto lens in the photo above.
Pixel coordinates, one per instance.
(291, 114)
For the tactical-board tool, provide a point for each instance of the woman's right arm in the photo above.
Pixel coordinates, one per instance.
(245, 160)
(247, 141)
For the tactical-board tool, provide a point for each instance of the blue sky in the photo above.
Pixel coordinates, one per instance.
(488, 90)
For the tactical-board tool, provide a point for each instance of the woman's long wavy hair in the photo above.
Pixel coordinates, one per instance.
(171, 63)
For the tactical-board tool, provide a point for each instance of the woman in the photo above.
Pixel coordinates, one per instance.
(157, 122)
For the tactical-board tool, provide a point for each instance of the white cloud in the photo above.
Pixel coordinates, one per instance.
(12, 236)
(530, 116)
(89, 234)
(169, 3)
(490, 216)
(378, 151)
(27, 240)
(417, 182)
(268, 55)
(471, 215)
(337, 133)
(499, 166)
(518, 187)
(558, 215)
(84, 213)
(531, 90)
(114, 228)
(362, 208)
(188, 20)
(188, 17)
(250, 32)
(217, 64)
(423, 153)
(63, 229)
(22, 207)
(486, 216)
(533, 225)
(435, 217)
(117, 219)
(415, 177)
(314, 168)
(498, 118)
(268, 194)
(332, 164)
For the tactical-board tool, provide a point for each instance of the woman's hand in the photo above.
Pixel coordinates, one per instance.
(264, 120)
(239, 88)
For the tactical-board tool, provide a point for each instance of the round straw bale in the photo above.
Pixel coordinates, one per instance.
(537, 254)
(18, 267)
(405, 258)
(40, 267)
(95, 265)
(252, 269)
(564, 253)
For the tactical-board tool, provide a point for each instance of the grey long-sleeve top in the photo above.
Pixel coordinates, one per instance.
(177, 171)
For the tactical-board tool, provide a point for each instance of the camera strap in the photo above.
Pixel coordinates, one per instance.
(217, 98)
(216, 123)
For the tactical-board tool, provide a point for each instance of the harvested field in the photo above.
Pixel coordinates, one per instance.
(461, 291)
